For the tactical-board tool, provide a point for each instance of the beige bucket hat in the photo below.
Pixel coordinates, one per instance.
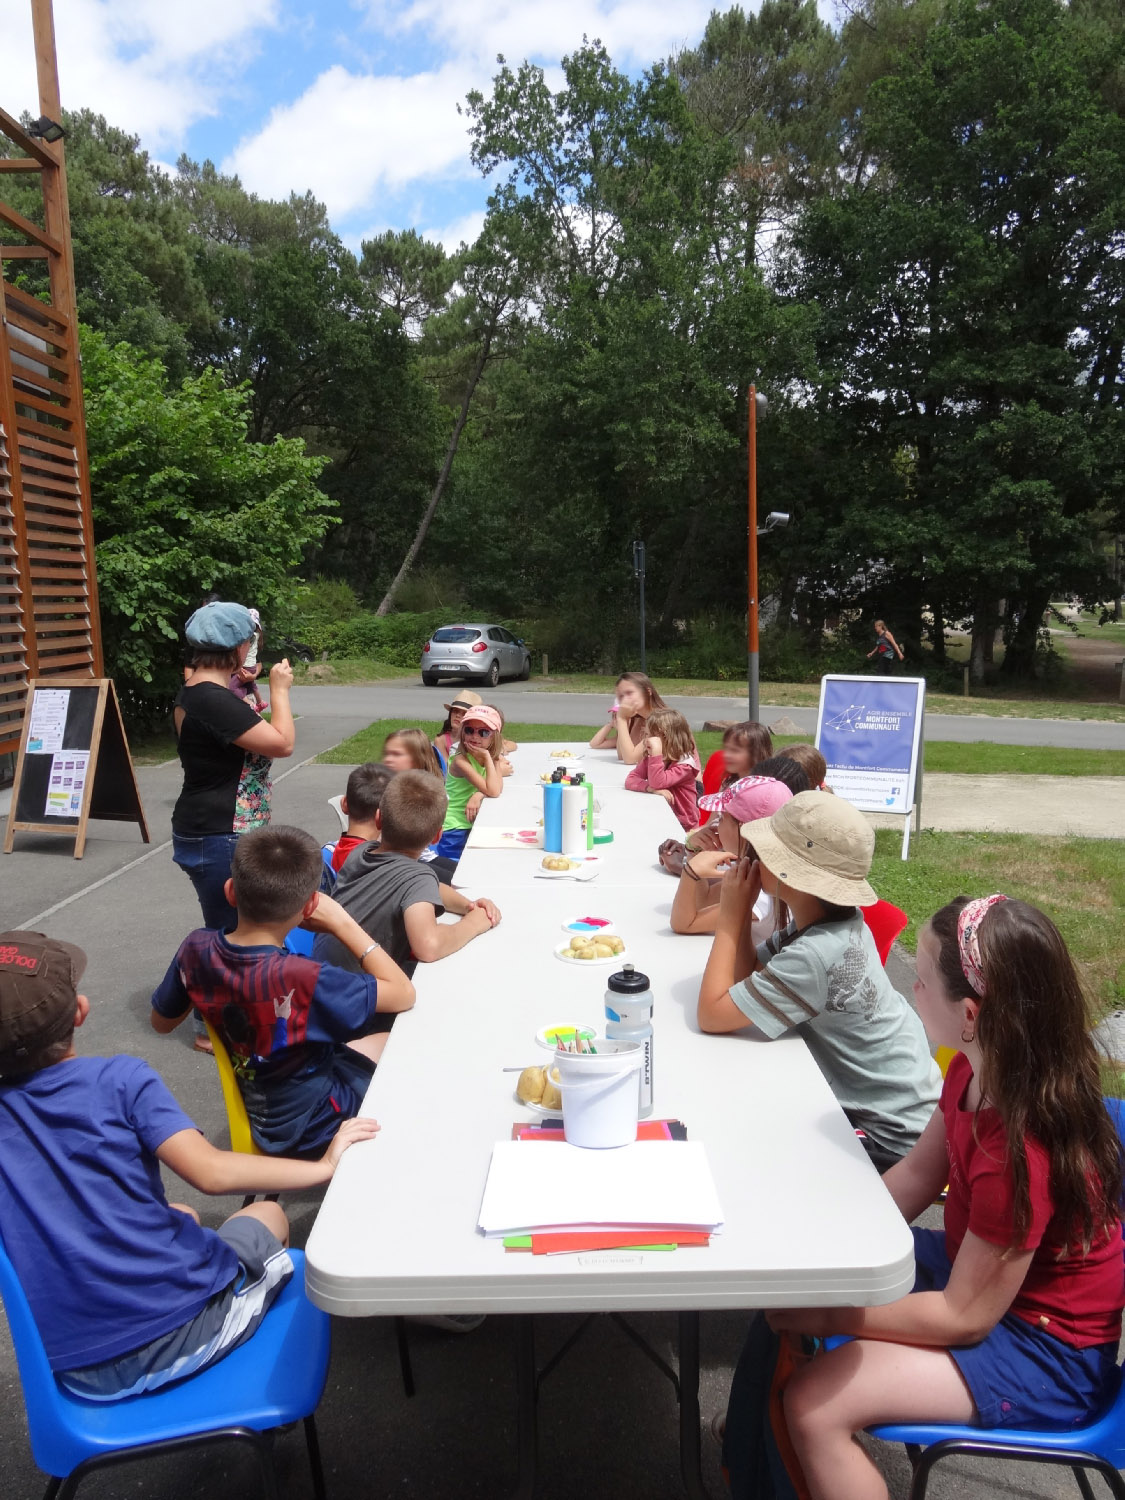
(819, 844)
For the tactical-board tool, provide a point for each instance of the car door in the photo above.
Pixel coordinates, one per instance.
(499, 650)
(511, 667)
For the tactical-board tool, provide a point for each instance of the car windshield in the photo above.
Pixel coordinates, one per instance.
(455, 634)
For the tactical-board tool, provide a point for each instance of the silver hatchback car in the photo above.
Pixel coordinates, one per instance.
(474, 651)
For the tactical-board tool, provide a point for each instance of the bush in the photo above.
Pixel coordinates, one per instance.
(311, 612)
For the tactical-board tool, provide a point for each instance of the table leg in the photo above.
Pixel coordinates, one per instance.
(690, 1456)
(526, 1401)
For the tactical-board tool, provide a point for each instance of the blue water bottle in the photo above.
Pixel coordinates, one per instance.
(553, 814)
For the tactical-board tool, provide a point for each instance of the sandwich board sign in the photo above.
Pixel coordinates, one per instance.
(74, 762)
(869, 730)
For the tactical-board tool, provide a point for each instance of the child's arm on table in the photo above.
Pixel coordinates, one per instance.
(696, 905)
(606, 735)
(981, 1289)
(637, 779)
(732, 953)
(209, 1170)
(431, 939)
(491, 784)
(457, 904)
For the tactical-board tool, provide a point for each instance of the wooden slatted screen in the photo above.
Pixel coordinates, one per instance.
(48, 593)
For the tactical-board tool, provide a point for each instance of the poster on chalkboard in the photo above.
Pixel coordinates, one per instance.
(73, 763)
(869, 730)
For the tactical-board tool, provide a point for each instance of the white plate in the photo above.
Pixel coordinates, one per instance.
(564, 950)
(570, 925)
(565, 757)
(583, 869)
(539, 1109)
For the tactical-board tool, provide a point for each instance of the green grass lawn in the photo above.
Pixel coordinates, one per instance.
(1087, 626)
(152, 749)
(1079, 883)
(942, 755)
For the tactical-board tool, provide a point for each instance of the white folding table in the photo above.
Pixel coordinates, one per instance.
(807, 1220)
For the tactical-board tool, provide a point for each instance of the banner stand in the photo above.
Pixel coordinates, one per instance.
(869, 730)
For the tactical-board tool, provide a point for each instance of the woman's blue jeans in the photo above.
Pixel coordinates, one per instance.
(206, 862)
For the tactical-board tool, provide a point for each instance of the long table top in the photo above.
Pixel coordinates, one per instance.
(808, 1221)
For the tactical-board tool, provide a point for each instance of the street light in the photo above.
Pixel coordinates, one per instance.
(757, 409)
(639, 575)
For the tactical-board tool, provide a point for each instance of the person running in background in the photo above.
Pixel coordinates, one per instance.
(886, 648)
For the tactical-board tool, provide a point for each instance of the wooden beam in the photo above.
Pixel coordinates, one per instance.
(24, 252)
(19, 164)
(32, 231)
(18, 136)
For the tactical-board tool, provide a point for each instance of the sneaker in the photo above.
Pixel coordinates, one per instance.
(449, 1322)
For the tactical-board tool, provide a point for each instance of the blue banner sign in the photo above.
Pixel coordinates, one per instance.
(869, 730)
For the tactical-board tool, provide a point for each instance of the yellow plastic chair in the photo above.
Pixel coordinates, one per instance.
(943, 1057)
(238, 1124)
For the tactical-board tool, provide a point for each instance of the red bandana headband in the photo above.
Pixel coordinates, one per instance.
(968, 940)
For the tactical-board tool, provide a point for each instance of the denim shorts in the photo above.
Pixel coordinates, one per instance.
(1021, 1376)
(226, 1320)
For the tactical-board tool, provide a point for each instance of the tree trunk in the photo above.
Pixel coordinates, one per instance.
(937, 630)
(443, 477)
(1019, 659)
(982, 625)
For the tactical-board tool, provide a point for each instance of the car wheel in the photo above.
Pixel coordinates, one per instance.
(430, 679)
(494, 673)
(526, 672)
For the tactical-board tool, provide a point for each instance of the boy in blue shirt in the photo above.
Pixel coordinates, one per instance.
(128, 1291)
(298, 1031)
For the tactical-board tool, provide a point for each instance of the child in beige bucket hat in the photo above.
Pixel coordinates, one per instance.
(821, 974)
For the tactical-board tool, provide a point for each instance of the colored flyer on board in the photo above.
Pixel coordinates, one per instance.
(869, 731)
(67, 783)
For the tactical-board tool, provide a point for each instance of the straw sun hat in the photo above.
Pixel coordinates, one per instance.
(818, 844)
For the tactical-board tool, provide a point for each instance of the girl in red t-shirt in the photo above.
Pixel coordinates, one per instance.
(1016, 1311)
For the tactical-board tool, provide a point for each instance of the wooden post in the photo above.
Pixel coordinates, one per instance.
(544, 664)
(965, 685)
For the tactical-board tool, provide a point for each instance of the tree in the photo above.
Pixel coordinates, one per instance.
(183, 504)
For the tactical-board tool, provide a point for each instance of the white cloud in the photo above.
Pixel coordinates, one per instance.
(461, 231)
(151, 66)
(634, 31)
(349, 135)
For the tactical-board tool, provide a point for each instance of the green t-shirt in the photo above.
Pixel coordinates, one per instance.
(459, 789)
(828, 983)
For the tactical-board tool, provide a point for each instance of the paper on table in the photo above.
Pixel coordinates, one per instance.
(647, 1183)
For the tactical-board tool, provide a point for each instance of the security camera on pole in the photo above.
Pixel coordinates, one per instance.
(775, 519)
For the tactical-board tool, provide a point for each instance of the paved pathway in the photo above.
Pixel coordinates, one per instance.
(408, 699)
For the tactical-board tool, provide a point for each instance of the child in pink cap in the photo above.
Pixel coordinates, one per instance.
(473, 767)
(696, 907)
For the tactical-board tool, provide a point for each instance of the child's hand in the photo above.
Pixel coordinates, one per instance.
(701, 839)
(655, 791)
(473, 806)
(490, 909)
(653, 745)
(348, 1134)
(326, 916)
(741, 887)
(281, 676)
(712, 863)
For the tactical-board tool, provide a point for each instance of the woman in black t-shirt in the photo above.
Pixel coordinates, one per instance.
(227, 752)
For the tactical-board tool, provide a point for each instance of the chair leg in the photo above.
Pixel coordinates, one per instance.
(266, 1471)
(312, 1442)
(54, 1484)
(67, 1488)
(1083, 1483)
(404, 1356)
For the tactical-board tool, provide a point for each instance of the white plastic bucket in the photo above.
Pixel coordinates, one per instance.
(601, 1094)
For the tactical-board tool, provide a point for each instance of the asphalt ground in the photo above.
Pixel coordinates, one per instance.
(608, 1420)
(408, 699)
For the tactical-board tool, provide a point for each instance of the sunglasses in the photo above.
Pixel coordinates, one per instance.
(481, 733)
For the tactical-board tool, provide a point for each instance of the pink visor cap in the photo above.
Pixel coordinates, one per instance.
(752, 797)
(483, 715)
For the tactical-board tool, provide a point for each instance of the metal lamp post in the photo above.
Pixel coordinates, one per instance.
(757, 405)
(639, 575)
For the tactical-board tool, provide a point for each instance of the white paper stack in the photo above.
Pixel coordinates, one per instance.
(650, 1184)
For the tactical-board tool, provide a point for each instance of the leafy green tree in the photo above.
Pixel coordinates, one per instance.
(184, 504)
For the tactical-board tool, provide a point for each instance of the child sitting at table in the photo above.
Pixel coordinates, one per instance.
(127, 1290)
(743, 746)
(472, 768)
(812, 762)
(720, 843)
(298, 1030)
(670, 765)
(1015, 1316)
(822, 973)
(393, 895)
(359, 804)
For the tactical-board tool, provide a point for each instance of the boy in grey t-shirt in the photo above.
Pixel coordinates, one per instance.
(392, 895)
(822, 974)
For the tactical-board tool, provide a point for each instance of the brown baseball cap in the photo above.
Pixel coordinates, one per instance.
(38, 993)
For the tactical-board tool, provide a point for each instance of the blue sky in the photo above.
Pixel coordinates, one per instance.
(353, 99)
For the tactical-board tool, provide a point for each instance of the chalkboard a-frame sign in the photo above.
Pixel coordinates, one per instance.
(73, 763)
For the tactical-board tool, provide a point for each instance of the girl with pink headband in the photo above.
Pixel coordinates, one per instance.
(1015, 1316)
(473, 767)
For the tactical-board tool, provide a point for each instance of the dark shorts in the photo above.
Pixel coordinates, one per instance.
(452, 843)
(299, 1116)
(1020, 1376)
(226, 1320)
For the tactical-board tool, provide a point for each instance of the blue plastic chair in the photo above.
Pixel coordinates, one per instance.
(1099, 1447)
(275, 1378)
